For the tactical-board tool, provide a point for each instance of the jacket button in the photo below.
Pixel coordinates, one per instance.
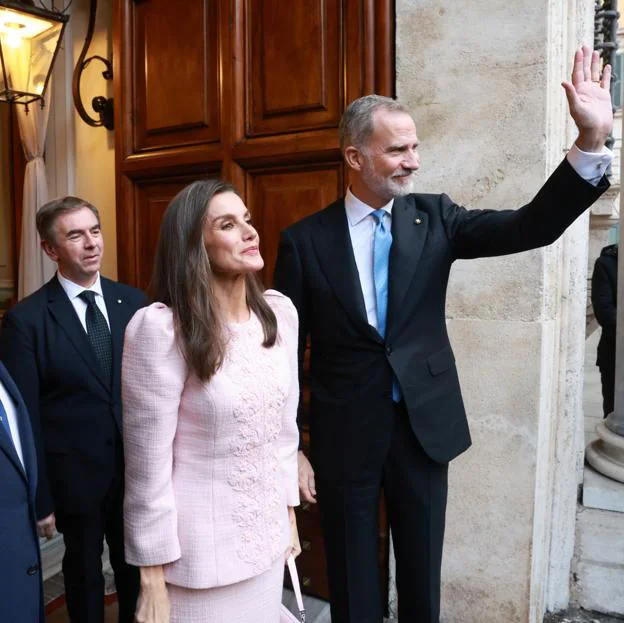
(387, 394)
(389, 350)
(32, 569)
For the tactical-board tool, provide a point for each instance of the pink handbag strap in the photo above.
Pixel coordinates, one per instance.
(294, 578)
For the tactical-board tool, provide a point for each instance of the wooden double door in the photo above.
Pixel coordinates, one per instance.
(251, 91)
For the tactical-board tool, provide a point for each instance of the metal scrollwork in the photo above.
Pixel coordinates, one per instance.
(103, 106)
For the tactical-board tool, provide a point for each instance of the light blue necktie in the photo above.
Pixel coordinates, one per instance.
(382, 242)
(5, 420)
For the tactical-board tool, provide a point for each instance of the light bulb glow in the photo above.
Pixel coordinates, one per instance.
(13, 40)
(29, 25)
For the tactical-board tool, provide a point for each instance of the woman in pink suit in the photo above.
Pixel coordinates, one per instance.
(210, 393)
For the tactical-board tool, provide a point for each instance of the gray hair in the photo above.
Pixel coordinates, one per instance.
(356, 123)
(49, 212)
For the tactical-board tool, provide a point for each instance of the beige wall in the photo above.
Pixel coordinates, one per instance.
(93, 149)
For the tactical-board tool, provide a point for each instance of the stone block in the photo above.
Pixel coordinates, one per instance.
(487, 558)
(598, 575)
(599, 588)
(601, 492)
(599, 538)
(501, 288)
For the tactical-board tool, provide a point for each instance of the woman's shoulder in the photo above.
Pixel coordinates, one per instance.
(283, 308)
(155, 319)
(279, 302)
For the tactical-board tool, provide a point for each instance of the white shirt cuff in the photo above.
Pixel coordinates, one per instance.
(591, 166)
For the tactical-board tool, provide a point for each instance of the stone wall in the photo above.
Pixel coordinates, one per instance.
(483, 81)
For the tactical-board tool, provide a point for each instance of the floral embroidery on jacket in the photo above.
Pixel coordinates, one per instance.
(262, 378)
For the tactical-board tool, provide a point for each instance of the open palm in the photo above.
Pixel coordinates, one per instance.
(589, 98)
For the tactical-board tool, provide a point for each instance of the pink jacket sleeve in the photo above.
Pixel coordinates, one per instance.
(288, 327)
(153, 377)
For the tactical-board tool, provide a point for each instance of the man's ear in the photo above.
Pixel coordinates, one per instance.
(353, 157)
(49, 250)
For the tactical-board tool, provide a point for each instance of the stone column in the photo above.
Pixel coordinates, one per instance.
(606, 454)
(483, 80)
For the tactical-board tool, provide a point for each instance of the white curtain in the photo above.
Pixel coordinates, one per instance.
(35, 268)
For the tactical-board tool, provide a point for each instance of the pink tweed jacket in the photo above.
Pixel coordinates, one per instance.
(210, 467)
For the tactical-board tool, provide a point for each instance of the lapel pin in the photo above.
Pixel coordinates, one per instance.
(417, 221)
(119, 300)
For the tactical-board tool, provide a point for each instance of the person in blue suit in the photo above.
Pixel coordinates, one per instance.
(21, 592)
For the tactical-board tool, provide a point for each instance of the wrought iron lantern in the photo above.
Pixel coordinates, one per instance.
(29, 41)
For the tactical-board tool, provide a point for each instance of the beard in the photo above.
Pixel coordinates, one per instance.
(398, 184)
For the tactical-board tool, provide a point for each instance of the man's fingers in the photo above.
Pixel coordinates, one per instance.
(595, 67)
(570, 92)
(605, 81)
(307, 487)
(587, 59)
(47, 527)
(577, 70)
(306, 494)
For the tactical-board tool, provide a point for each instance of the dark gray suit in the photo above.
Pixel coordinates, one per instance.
(76, 419)
(21, 594)
(361, 440)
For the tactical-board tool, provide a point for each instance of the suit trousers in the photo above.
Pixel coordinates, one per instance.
(607, 382)
(415, 489)
(84, 535)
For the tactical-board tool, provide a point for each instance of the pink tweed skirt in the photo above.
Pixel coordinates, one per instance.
(257, 599)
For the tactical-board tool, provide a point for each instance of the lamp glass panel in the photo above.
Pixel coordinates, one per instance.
(28, 44)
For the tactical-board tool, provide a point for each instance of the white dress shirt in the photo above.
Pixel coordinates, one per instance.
(9, 407)
(590, 166)
(73, 291)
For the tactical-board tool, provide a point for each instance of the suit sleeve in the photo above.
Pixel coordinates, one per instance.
(288, 279)
(153, 374)
(603, 297)
(485, 233)
(18, 353)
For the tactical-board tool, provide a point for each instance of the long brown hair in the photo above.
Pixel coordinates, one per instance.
(183, 280)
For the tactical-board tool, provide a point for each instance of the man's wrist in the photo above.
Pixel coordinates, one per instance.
(591, 141)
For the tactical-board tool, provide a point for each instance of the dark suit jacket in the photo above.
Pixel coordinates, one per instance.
(604, 302)
(21, 596)
(351, 365)
(76, 416)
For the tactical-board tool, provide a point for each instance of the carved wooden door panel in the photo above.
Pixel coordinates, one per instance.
(251, 91)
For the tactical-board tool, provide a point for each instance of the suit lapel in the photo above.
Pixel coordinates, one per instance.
(6, 443)
(8, 447)
(114, 308)
(409, 231)
(65, 315)
(335, 254)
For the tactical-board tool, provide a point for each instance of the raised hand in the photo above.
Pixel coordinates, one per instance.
(589, 100)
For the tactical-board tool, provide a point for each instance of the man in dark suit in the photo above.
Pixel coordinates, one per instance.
(368, 276)
(62, 345)
(21, 591)
(604, 302)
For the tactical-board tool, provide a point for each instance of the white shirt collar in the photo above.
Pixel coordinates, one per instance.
(73, 290)
(357, 210)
